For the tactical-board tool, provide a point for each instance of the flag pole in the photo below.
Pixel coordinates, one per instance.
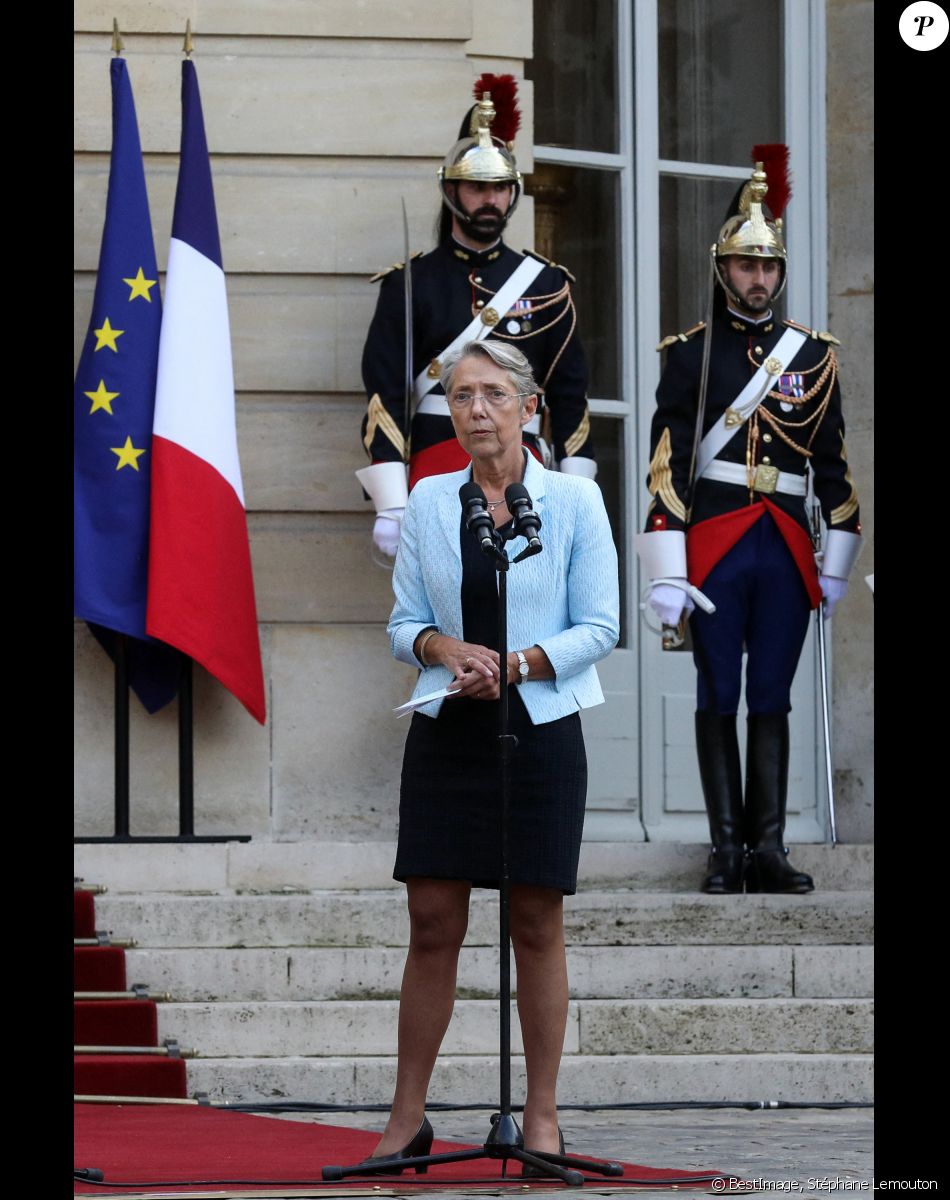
(121, 668)
(186, 750)
(121, 737)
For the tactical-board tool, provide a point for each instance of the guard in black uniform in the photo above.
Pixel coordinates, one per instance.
(470, 285)
(738, 530)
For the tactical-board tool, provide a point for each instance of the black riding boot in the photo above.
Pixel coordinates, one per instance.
(766, 791)
(717, 749)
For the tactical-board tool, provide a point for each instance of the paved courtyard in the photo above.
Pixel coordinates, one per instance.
(807, 1152)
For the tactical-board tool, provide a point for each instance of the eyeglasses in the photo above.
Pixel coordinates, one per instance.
(495, 397)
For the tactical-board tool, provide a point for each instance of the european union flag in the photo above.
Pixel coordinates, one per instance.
(114, 402)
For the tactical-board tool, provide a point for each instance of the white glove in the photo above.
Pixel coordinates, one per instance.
(574, 464)
(386, 530)
(833, 590)
(668, 602)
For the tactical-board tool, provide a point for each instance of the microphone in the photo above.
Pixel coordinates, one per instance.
(477, 517)
(527, 523)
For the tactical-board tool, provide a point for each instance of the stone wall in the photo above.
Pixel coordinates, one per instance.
(851, 318)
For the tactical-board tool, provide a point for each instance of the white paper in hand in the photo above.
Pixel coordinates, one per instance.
(420, 701)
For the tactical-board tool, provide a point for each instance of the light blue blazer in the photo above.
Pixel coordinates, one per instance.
(565, 599)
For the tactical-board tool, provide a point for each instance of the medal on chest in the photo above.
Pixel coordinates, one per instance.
(790, 385)
(519, 317)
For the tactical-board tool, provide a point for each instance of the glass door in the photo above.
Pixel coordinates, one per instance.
(583, 193)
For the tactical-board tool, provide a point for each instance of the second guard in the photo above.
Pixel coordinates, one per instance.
(728, 479)
(470, 286)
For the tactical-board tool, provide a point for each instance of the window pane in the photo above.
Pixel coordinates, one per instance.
(720, 78)
(608, 444)
(574, 70)
(576, 222)
(691, 213)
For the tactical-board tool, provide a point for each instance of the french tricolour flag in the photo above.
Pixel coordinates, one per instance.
(201, 589)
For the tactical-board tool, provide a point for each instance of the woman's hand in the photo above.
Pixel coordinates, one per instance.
(475, 667)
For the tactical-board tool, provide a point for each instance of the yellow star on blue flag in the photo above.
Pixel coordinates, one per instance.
(140, 286)
(128, 455)
(106, 336)
(101, 398)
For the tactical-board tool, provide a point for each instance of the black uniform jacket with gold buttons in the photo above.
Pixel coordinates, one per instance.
(799, 422)
(447, 284)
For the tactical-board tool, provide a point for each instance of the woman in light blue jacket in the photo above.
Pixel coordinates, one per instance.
(562, 617)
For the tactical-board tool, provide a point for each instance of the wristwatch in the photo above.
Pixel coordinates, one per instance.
(522, 667)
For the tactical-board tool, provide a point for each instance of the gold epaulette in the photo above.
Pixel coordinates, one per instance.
(551, 263)
(399, 266)
(681, 337)
(821, 334)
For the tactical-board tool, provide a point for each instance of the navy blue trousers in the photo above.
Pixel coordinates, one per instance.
(761, 605)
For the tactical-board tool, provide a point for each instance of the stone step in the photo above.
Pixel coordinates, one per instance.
(584, 1079)
(594, 1027)
(376, 918)
(271, 866)
(605, 972)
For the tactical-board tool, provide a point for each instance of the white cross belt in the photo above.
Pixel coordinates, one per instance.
(748, 399)
(511, 290)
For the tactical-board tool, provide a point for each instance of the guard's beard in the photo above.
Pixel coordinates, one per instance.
(484, 225)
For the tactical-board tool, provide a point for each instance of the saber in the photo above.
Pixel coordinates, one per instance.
(703, 384)
(675, 635)
(823, 673)
(410, 374)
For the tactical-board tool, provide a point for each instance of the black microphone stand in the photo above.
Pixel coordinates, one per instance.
(505, 1140)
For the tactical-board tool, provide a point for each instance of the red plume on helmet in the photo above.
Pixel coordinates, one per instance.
(504, 95)
(774, 160)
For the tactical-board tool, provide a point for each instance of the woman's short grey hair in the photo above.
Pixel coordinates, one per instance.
(509, 358)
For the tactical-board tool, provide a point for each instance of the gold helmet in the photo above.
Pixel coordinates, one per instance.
(478, 156)
(751, 230)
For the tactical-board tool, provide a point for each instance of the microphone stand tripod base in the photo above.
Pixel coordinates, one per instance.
(505, 1142)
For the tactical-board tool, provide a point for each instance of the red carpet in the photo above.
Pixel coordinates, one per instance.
(115, 1023)
(84, 918)
(98, 969)
(125, 1023)
(129, 1075)
(149, 1145)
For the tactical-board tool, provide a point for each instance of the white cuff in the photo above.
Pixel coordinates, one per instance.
(576, 464)
(662, 553)
(841, 551)
(386, 484)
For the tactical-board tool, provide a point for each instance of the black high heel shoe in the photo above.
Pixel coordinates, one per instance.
(419, 1144)
(531, 1172)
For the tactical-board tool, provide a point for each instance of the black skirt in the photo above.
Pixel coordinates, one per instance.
(450, 797)
(450, 794)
